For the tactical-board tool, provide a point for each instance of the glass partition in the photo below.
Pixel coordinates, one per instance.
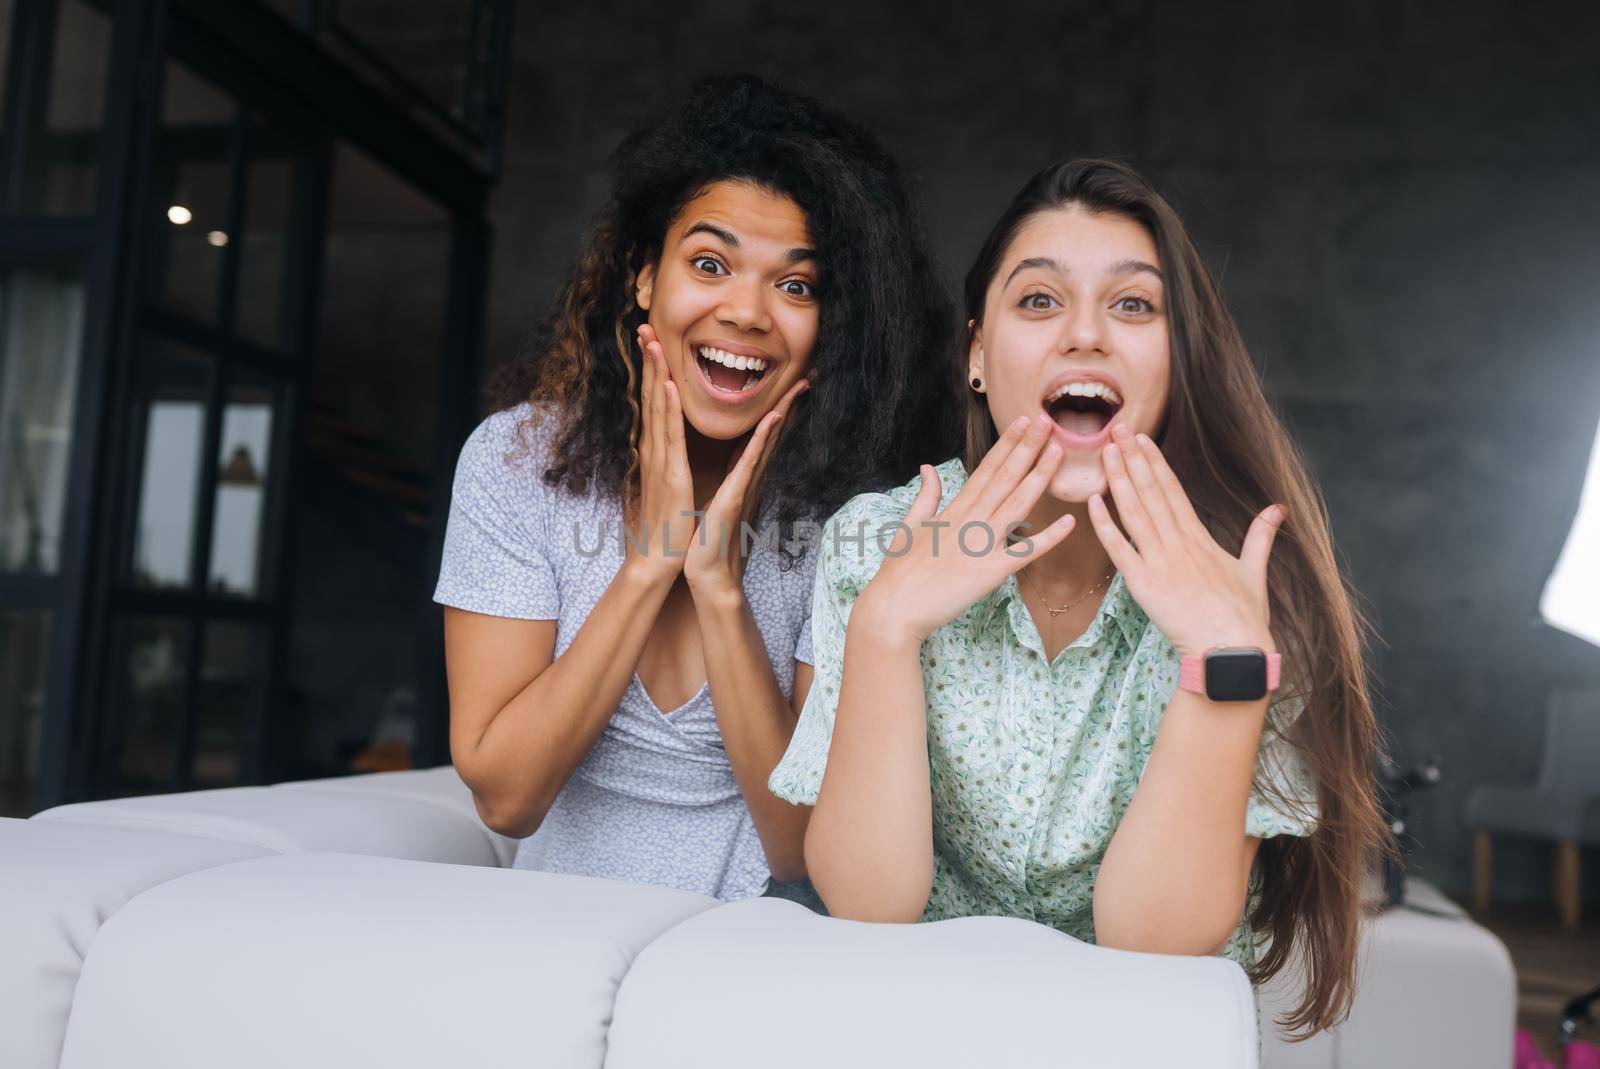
(244, 459)
(41, 343)
(58, 177)
(191, 186)
(361, 580)
(24, 654)
(170, 421)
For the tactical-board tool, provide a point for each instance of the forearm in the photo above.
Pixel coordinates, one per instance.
(756, 722)
(870, 845)
(533, 745)
(1173, 879)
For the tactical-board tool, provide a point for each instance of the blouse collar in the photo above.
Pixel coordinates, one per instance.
(1118, 612)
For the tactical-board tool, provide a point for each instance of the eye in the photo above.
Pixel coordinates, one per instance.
(798, 287)
(1134, 306)
(1037, 302)
(699, 263)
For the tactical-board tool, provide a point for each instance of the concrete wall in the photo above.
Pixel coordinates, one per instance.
(1403, 200)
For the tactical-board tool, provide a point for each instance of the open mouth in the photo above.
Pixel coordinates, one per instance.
(1083, 409)
(730, 373)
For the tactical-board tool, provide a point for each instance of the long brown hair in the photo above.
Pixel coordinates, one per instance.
(1234, 457)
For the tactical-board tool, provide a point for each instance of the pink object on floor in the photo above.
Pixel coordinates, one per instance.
(1582, 1055)
(1526, 1054)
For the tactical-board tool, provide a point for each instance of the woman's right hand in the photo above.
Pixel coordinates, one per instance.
(665, 523)
(918, 588)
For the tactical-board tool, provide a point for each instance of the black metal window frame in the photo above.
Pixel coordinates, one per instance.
(239, 46)
(479, 128)
(86, 244)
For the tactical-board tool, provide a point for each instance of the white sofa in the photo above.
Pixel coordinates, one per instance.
(371, 920)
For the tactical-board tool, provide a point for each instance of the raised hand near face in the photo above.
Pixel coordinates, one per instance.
(1198, 594)
(666, 524)
(939, 564)
(716, 559)
(710, 552)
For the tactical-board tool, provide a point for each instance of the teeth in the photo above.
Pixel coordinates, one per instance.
(738, 363)
(1085, 389)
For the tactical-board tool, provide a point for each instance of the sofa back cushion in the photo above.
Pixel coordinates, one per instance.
(59, 882)
(324, 961)
(767, 982)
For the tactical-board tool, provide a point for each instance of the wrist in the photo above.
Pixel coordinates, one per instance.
(650, 572)
(716, 595)
(875, 622)
(1231, 674)
(1236, 639)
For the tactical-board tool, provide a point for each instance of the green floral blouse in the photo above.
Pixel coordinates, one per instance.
(1032, 762)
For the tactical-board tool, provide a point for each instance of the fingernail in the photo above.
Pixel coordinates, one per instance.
(1144, 439)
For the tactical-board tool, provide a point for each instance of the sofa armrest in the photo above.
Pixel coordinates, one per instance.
(410, 816)
(1432, 991)
(1432, 988)
(441, 786)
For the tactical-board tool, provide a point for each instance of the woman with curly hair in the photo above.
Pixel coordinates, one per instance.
(738, 350)
(1079, 727)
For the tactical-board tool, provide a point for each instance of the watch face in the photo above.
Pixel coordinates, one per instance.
(1236, 675)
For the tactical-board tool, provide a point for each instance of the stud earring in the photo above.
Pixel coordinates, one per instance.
(976, 382)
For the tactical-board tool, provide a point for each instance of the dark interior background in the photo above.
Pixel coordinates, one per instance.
(1402, 199)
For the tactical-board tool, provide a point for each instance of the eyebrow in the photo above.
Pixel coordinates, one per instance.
(1034, 261)
(1121, 267)
(1133, 267)
(731, 239)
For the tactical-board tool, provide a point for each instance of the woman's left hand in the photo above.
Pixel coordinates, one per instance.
(1195, 591)
(715, 560)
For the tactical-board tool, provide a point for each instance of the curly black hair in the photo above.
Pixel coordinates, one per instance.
(881, 403)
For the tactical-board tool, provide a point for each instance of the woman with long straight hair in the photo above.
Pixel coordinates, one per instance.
(1101, 670)
(627, 588)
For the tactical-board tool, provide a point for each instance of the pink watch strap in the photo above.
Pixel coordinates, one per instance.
(1192, 672)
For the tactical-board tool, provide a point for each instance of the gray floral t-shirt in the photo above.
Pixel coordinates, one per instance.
(656, 800)
(1032, 762)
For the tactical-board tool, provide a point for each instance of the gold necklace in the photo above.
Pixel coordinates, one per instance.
(1051, 609)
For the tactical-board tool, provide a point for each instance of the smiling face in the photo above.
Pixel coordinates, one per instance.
(1075, 324)
(733, 300)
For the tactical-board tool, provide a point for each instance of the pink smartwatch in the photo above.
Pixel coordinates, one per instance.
(1230, 673)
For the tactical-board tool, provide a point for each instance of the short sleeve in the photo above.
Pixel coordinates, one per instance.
(802, 642)
(1282, 766)
(806, 577)
(843, 568)
(494, 560)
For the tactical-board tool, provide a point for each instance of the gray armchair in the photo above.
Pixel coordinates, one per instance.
(1562, 806)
